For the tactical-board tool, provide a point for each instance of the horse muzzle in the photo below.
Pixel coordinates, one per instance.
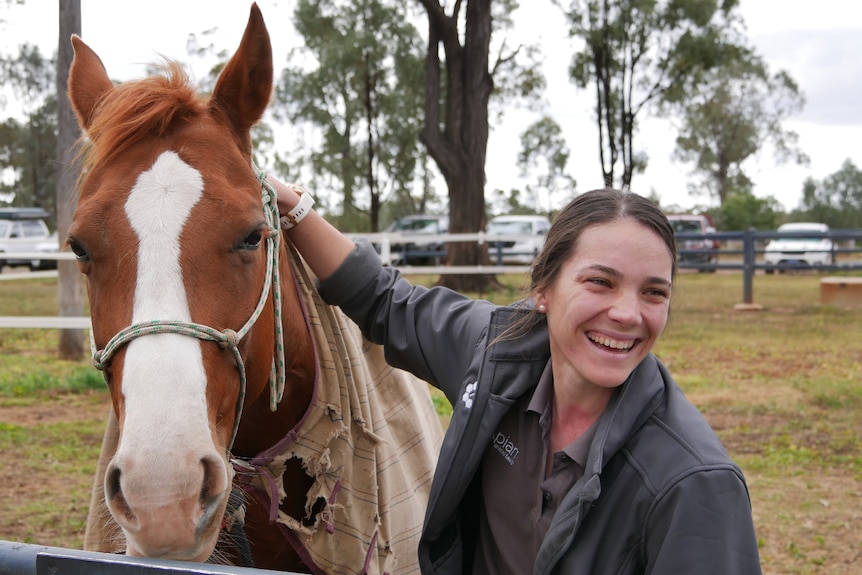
(175, 514)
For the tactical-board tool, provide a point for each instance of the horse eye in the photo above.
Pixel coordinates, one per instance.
(251, 241)
(80, 253)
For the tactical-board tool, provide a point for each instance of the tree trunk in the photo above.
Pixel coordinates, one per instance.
(70, 293)
(459, 144)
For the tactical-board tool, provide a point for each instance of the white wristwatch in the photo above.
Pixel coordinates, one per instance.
(300, 210)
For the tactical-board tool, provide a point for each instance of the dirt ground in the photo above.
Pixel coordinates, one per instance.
(805, 524)
(57, 410)
(24, 480)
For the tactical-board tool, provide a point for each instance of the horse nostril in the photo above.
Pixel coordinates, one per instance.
(114, 493)
(213, 484)
(112, 483)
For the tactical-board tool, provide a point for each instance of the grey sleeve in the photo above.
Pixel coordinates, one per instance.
(430, 332)
(703, 524)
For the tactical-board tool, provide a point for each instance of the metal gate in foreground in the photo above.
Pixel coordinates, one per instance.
(27, 559)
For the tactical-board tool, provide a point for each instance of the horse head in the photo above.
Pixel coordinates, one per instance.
(180, 249)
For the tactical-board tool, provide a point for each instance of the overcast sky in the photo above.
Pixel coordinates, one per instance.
(818, 43)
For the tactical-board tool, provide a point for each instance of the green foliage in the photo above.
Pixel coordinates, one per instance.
(836, 200)
(358, 82)
(738, 107)
(636, 54)
(742, 211)
(28, 148)
(544, 150)
(503, 203)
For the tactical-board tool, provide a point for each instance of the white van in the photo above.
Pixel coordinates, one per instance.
(807, 244)
(521, 238)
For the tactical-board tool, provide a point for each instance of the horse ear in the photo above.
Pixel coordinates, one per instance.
(88, 82)
(244, 87)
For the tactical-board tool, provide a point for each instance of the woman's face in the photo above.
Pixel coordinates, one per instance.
(609, 304)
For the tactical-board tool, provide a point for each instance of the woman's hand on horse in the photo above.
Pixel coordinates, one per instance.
(287, 194)
(322, 246)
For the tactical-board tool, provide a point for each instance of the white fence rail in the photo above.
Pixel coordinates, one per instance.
(37, 256)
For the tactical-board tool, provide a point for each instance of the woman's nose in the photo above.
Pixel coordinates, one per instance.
(626, 308)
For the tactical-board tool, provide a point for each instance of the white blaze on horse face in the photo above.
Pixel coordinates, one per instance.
(166, 429)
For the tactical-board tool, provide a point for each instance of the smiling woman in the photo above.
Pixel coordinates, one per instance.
(559, 407)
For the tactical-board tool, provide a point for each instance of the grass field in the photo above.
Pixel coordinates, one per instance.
(781, 386)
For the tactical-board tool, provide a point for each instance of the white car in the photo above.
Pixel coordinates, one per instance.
(799, 249)
(49, 246)
(23, 230)
(522, 238)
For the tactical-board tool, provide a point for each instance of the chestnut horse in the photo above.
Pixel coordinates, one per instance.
(205, 321)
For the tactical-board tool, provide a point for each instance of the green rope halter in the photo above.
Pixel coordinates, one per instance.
(228, 338)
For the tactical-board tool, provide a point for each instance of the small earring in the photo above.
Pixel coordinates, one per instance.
(542, 307)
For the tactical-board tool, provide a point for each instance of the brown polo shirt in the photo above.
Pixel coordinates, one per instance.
(518, 500)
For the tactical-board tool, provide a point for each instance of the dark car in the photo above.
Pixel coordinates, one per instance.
(694, 244)
(409, 247)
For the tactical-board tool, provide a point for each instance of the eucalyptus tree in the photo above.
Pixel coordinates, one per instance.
(544, 151)
(28, 139)
(637, 54)
(836, 199)
(738, 109)
(358, 81)
(460, 80)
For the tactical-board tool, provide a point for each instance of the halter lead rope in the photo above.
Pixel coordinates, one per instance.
(228, 338)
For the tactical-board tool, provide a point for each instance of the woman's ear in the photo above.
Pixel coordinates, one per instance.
(540, 301)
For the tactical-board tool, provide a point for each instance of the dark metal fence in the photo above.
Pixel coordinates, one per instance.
(745, 251)
(26, 559)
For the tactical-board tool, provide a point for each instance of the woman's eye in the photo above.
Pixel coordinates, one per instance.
(657, 293)
(600, 281)
(251, 241)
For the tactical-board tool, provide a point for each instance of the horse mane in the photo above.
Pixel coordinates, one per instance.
(136, 110)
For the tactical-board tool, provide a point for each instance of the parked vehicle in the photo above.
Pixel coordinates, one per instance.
(24, 230)
(805, 245)
(517, 250)
(693, 243)
(49, 246)
(412, 250)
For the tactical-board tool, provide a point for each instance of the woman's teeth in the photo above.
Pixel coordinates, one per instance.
(612, 343)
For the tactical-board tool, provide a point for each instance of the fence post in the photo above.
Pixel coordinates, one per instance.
(748, 269)
(748, 258)
(498, 250)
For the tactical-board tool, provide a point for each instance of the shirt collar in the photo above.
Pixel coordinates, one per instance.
(540, 403)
